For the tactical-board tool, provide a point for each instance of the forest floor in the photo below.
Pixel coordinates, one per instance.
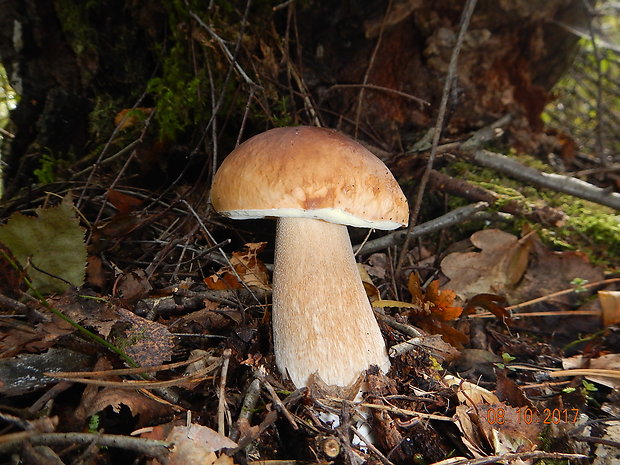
(504, 346)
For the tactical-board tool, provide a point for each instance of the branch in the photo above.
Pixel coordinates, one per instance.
(515, 206)
(456, 216)
(557, 182)
(153, 448)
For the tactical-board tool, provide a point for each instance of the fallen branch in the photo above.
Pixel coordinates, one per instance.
(468, 191)
(557, 182)
(456, 216)
(150, 447)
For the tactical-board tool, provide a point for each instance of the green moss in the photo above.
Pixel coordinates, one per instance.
(588, 227)
(74, 20)
(45, 174)
(101, 118)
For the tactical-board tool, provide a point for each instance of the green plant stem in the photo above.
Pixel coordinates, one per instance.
(96, 338)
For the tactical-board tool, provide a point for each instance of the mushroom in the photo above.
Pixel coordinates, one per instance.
(315, 181)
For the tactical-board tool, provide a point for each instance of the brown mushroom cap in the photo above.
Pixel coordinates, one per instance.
(308, 172)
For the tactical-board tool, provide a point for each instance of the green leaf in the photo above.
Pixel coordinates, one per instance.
(53, 241)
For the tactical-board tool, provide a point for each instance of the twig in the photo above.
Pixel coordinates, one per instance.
(370, 446)
(276, 400)
(402, 411)
(133, 384)
(224, 49)
(402, 327)
(247, 407)
(557, 182)
(371, 63)
(222, 407)
(404, 347)
(538, 454)
(450, 77)
(486, 134)
(451, 218)
(382, 89)
(476, 193)
(153, 448)
(559, 293)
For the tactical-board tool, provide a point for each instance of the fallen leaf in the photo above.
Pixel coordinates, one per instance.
(470, 394)
(509, 429)
(393, 303)
(442, 300)
(12, 274)
(378, 264)
(604, 362)
(132, 286)
(500, 264)
(432, 309)
(95, 276)
(371, 290)
(96, 399)
(53, 241)
(147, 342)
(248, 267)
(471, 435)
(491, 302)
(510, 392)
(124, 203)
(434, 302)
(566, 266)
(198, 444)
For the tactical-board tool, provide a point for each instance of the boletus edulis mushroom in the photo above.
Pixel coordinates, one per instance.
(315, 181)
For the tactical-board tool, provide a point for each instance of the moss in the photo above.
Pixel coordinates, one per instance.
(74, 21)
(588, 227)
(101, 118)
(181, 91)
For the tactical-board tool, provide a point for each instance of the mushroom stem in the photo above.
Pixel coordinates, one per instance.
(322, 320)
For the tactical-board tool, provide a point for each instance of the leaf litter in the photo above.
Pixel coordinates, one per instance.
(412, 408)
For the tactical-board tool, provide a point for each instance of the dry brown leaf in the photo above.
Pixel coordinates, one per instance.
(491, 302)
(198, 444)
(12, 278)
(132, 286)
(509, 429)
(371, 290)
(470, 394)
(471, 435)
(128, 117)
(378, 265)
(510, 392)
(604, 362)
(550, 271)
(124, 203)
(147, 342)
(432, 309)
(95, 399)
(434, 302)
(248, 267)
(500, 264)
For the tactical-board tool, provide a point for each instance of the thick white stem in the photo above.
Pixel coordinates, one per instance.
(322, 320)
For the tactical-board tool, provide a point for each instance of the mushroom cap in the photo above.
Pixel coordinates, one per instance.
(308, 172)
